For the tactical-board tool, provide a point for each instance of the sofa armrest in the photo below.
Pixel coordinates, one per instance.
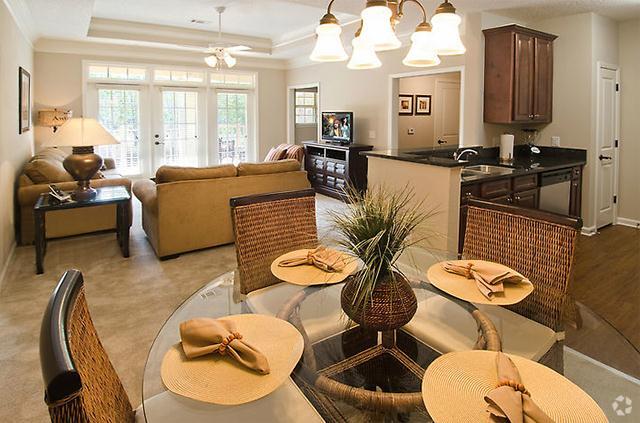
(109, 164)
(28, 195)
(145, 191)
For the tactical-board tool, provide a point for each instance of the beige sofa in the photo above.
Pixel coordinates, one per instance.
(46, 168)
(187, 209)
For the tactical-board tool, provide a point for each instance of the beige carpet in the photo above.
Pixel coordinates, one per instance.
(129, 300)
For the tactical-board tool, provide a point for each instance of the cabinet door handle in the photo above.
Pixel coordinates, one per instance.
(509, 200)
(518, 198)
(601, 157)
(532, 116)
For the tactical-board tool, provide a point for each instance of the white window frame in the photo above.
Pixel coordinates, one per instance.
(149, 123)
(313, 106)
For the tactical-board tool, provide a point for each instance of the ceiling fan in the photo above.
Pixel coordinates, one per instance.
(219, 54)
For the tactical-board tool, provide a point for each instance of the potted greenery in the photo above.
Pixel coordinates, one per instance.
(377, 227)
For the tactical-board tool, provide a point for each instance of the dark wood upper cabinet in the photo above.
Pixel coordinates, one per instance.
(518, 75)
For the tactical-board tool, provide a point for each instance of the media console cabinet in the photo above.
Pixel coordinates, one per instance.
(332, 167)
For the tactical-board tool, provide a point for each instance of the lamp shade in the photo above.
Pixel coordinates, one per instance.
(363, 56)
(81, 132)
(446, 30)
(211, 61)
(422, 52)
(329, 46)
(377, 29)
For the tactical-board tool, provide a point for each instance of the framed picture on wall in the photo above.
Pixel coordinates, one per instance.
(423, 105)
(405, 104)
(24, 101)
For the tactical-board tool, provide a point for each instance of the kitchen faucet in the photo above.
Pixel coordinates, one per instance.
(458, 156)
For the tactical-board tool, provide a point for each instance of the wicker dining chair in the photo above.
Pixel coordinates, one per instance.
(81, 385)
(267, 226)
(538, 244)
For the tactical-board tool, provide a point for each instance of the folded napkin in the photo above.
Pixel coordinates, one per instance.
(204, 336)
(323, 258)
(510, 401)
(490, 277)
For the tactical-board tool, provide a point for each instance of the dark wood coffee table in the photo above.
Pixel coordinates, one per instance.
(107, 195)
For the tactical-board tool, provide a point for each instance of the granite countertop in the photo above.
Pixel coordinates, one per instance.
(525, 162)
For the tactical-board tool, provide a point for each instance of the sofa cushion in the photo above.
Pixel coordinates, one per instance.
(277, 153)
(245, 169)
(46, 171)
(176, 173)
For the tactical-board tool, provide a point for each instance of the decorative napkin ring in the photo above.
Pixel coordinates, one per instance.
(514, 385)
(222, 349)
(469, 275)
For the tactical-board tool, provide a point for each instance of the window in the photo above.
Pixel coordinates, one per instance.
(114, 72)
(232, 127)
(306, 107)
(119, 113)
(180, 127)
(234, 80)
(162, 75)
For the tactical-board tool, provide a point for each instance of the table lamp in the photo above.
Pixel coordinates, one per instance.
(82, 134)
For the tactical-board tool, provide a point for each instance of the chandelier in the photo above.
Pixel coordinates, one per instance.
(440, 37)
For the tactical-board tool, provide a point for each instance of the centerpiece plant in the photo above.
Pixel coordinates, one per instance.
(377, 227)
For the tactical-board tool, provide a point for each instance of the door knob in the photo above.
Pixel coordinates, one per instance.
(441, 142)
(601, 157)
(156, 136)
(158, 143)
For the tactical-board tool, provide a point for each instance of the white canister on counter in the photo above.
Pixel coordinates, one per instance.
(506, 147)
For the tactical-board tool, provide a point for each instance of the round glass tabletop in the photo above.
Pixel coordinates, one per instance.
(349, 374)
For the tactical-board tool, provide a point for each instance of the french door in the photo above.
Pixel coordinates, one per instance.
(119, 111)
(233, 126)
(178, 130)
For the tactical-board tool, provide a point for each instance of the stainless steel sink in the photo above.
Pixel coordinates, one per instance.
(486, 170)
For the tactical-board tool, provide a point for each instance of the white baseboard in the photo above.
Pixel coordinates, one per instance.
(628, 222)
(589, 231)
(5, 265)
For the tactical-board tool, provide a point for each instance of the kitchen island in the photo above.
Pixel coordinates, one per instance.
(551, 180)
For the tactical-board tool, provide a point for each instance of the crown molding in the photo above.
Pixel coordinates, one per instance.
(174, 37)
(21, 14)
(121, 49)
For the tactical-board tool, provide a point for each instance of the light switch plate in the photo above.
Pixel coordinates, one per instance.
(372, 135)
(555, 141)
(411, 131)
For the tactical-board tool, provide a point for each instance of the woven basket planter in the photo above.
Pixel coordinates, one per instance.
(392, 305)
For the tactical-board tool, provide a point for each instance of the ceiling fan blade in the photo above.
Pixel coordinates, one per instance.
(238, 48)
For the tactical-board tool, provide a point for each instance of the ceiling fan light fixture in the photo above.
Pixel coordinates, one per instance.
(329, 47)
(377, 28)
(211, 61)
(422, 53)
(229, 60)
(446, 30)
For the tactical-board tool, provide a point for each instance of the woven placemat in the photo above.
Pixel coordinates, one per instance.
(220, 379)
(455, 384)
(308, 275)
(467, 290)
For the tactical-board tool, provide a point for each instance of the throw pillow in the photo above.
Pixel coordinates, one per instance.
(277, 153)
(46, 171)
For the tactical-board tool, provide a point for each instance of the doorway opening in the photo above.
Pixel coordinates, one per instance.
(426, 109)
(304, 109)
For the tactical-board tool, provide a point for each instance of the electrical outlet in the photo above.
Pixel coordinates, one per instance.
(411, 131)
(372, 135)
(555, 141)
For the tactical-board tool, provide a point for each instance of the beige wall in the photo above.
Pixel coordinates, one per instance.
(423, 125)
(366, 93)
(629, 55)
(15, 149)
(60, 85)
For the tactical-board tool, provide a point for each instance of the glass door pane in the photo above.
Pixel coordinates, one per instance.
(232, 127)
(180, 128)
(119, 113)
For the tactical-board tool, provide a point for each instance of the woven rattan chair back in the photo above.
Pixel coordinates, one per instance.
(267, 226)
(537, 244)
(81, 384)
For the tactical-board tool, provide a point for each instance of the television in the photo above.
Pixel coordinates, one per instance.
(337, 127)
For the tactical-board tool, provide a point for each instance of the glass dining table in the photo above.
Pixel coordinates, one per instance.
(347, 374)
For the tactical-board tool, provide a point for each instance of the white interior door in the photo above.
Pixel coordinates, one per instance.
(446, 105)
(606, 149)
(178, 135)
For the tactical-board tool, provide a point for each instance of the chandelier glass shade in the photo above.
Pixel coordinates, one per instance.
(377, 29)
(364, 55)
(441, 37)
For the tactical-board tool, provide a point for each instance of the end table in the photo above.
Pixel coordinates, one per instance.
(106, 195)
